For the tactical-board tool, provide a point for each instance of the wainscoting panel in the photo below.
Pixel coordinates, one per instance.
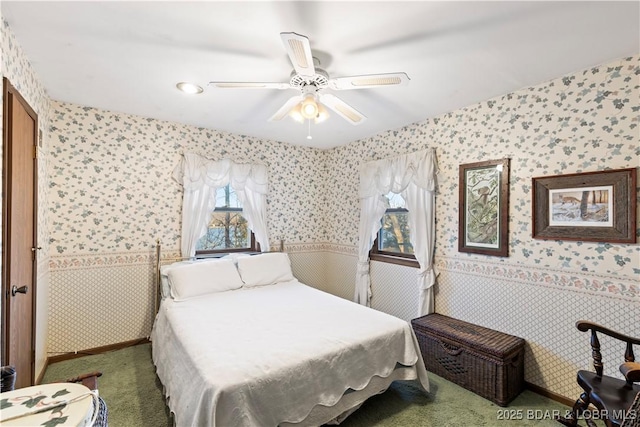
(310, 268)
(326, 266)
(99, 300)
(341, 274)
(545, 317)
(332, 268)
(394, 289)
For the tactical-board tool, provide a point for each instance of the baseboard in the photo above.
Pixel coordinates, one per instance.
(96, 350)
(546, 393)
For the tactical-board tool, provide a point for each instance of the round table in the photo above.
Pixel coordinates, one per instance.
(48, 400)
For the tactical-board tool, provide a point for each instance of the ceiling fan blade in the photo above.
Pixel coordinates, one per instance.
(367, 81)
(284, 110)
(250, 85)
(299, 51)
(343, 109)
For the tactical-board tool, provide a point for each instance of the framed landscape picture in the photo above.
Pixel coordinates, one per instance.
(484, 208)
(591, 206)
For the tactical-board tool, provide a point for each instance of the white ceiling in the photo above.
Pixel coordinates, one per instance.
(128, 56)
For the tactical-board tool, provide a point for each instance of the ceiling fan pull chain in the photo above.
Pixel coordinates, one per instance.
(309, 133)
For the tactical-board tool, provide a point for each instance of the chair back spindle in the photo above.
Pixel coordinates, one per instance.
(628, 354)
(595, 353)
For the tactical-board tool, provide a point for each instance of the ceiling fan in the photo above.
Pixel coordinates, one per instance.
(311, 81)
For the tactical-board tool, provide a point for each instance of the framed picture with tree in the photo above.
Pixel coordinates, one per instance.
(484, 208)
(590, 207)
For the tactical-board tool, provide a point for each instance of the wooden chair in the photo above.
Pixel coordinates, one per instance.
(89, 380)
(612, 397)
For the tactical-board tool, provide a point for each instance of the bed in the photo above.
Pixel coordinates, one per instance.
(241, 342)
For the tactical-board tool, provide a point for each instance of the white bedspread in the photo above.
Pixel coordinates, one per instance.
(268, 355)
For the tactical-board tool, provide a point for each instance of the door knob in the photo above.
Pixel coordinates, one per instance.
(15, 290)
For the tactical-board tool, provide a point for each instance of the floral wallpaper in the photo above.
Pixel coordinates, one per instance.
(111, 186)
(583, 122)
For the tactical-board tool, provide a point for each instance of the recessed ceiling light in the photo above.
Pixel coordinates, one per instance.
(189, 88)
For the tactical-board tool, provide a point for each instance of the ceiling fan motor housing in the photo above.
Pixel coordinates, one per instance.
(320, 80)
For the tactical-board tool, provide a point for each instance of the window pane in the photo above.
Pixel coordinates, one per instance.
(396, 201)
(228, 228)
(226, 197)
(394, 234)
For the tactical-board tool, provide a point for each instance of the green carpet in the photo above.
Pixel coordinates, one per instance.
(133, 395)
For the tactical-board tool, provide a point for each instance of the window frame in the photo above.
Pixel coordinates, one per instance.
(254, 245)
(375, 254)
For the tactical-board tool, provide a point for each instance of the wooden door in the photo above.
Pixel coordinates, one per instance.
(19, 235)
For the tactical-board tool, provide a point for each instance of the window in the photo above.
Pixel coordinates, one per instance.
(393, 243)
(228, 230)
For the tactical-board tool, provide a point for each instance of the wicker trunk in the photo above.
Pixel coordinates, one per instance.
(484, 361)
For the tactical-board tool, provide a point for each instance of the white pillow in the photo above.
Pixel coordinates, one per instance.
(265, 269)
(201, 278)
(165, 287)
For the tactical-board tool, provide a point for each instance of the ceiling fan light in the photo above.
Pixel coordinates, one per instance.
(296, 114)
(309, 107)
(310, 110)
(190, 88)
(323, 114)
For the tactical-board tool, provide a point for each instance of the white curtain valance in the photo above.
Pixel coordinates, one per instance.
(194, 170)
(201, 177)
(394, 175)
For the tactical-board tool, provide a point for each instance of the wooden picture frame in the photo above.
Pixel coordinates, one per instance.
(590, 207)
(483, 218)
